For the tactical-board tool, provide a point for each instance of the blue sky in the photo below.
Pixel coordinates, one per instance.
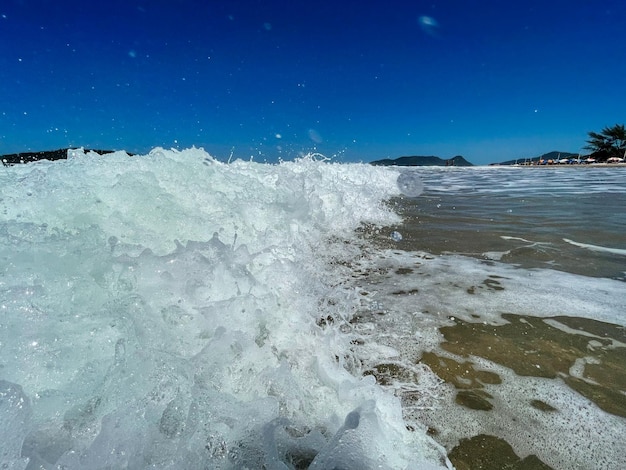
(358, 81)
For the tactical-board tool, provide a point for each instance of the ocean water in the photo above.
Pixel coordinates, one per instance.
(172, 311)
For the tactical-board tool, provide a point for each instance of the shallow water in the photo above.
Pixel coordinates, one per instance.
(522, 216)
(516, 304)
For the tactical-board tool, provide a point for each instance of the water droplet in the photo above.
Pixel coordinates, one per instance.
(410, 184)
(396, 236)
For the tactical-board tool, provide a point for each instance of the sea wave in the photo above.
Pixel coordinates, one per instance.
(172, 311)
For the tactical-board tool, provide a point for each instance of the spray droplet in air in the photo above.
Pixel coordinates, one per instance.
(396, 236)
(315, 136)
(428, 24)
(410, 184)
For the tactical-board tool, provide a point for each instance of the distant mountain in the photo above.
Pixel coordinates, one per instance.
(546, 156)
(423, 161)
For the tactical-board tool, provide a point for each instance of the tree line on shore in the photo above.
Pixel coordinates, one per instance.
(606, 146)
(610, 143)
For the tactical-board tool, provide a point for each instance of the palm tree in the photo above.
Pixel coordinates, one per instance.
(611, 142)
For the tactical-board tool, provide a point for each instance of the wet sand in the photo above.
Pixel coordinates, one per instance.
(587, 355)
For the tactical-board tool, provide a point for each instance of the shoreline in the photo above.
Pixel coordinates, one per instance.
(62, 154)
(563, 165)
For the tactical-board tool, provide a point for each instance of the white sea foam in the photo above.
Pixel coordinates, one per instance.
(171, 311)
(603, 249)
(518, 181)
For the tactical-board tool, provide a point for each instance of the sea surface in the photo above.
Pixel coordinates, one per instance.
(173, 311)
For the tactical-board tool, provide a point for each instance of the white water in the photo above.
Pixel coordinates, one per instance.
(164, 311)
(603, 249)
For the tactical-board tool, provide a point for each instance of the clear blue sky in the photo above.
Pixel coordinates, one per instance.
(490, 80)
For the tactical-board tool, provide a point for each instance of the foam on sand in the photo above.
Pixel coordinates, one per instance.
(533, 356)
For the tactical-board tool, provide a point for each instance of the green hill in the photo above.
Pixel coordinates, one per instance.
(423, 161)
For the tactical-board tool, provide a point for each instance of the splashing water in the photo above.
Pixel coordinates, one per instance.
(135, 334)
